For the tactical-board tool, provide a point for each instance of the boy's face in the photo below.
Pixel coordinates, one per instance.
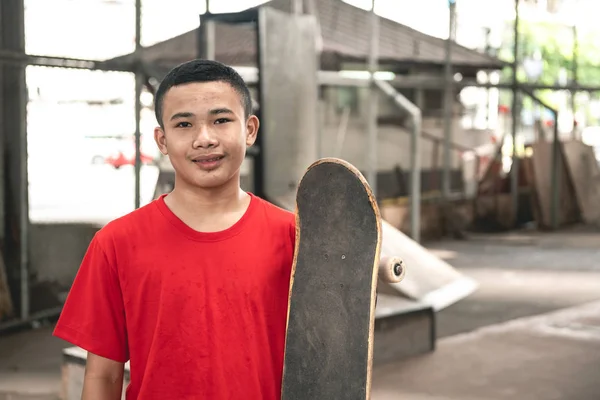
(205, 133)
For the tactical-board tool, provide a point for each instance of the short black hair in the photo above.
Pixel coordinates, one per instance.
(200, 70)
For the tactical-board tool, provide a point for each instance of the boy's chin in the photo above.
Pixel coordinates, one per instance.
(217, 180)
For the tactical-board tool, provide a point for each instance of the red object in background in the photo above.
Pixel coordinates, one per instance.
(503, 109)
(120, 159)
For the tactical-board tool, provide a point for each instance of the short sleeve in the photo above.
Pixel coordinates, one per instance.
(93, 316)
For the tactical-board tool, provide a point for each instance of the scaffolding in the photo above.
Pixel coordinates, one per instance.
(14, 60)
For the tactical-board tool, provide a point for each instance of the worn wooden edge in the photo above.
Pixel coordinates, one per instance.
(375, 268)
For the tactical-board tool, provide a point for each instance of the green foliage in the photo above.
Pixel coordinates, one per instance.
(556, 44)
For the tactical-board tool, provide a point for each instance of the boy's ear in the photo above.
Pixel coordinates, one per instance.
(252, 125)
(161, 140)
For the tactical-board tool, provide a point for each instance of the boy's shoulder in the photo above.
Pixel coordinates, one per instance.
(277, 212)
(277, 220)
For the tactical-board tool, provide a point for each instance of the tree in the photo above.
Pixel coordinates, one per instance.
(555, 42)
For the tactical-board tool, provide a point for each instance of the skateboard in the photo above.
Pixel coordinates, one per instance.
(333, 287)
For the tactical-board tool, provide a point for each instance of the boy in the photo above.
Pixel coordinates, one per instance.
(192, 288)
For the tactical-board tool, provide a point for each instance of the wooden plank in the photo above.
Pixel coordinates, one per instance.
(527, 168)
(585, 175)
(6, 306)
(568, 211)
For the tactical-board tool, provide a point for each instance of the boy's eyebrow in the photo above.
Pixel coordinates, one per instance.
(222, 110)
(185, 114)
(214, 111)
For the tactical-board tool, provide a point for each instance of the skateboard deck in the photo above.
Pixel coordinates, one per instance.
(331, 311)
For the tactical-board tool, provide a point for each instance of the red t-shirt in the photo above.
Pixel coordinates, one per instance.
(198, 315)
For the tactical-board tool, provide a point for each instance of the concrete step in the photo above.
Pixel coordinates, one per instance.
(403, 328)
(17, 396)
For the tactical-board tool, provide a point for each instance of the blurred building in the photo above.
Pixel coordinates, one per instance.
(403, 52)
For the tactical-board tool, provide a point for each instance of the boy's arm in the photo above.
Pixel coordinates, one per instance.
(103, 379)
(93, 318)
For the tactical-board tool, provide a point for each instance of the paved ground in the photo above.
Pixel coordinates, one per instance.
(479, 356)
(521, 274)
(539, 353)
(30, 365)
(550, 357)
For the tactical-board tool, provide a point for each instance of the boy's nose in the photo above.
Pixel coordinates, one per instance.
(205, 138)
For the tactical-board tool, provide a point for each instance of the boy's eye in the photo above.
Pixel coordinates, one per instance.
(183, 125)
(222, 120)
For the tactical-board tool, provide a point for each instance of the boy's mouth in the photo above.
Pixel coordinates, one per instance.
(209, 161)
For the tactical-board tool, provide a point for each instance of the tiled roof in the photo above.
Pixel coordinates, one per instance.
(345, 30)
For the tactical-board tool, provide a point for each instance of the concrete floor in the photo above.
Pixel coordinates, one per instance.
(520, 274)
(30, 365)
(507, 340)
(550, 357)
(483, 352)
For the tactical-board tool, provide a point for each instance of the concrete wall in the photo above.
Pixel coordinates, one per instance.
(55, 255)
(436, 220)
(393, 141)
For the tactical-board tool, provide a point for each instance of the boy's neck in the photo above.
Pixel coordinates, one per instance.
(213, 199)
(208, 210)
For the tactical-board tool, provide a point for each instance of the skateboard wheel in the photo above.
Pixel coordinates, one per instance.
(391, 269)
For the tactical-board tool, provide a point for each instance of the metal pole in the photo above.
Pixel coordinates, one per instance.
(433, 82)
(415, 167)
(574, 82)
(488, 32)
(24, 185)
(139, 82)
(207, 36)
(554, 179)
(210, 40)
(448, 102)
(24, 207)
(332, 78)
(13, 120)
(297, 7)
(514, 182)
(12, 57)
(341, 133)
(12, 325)
(415, 178)
(415, 160)
(373, 103)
